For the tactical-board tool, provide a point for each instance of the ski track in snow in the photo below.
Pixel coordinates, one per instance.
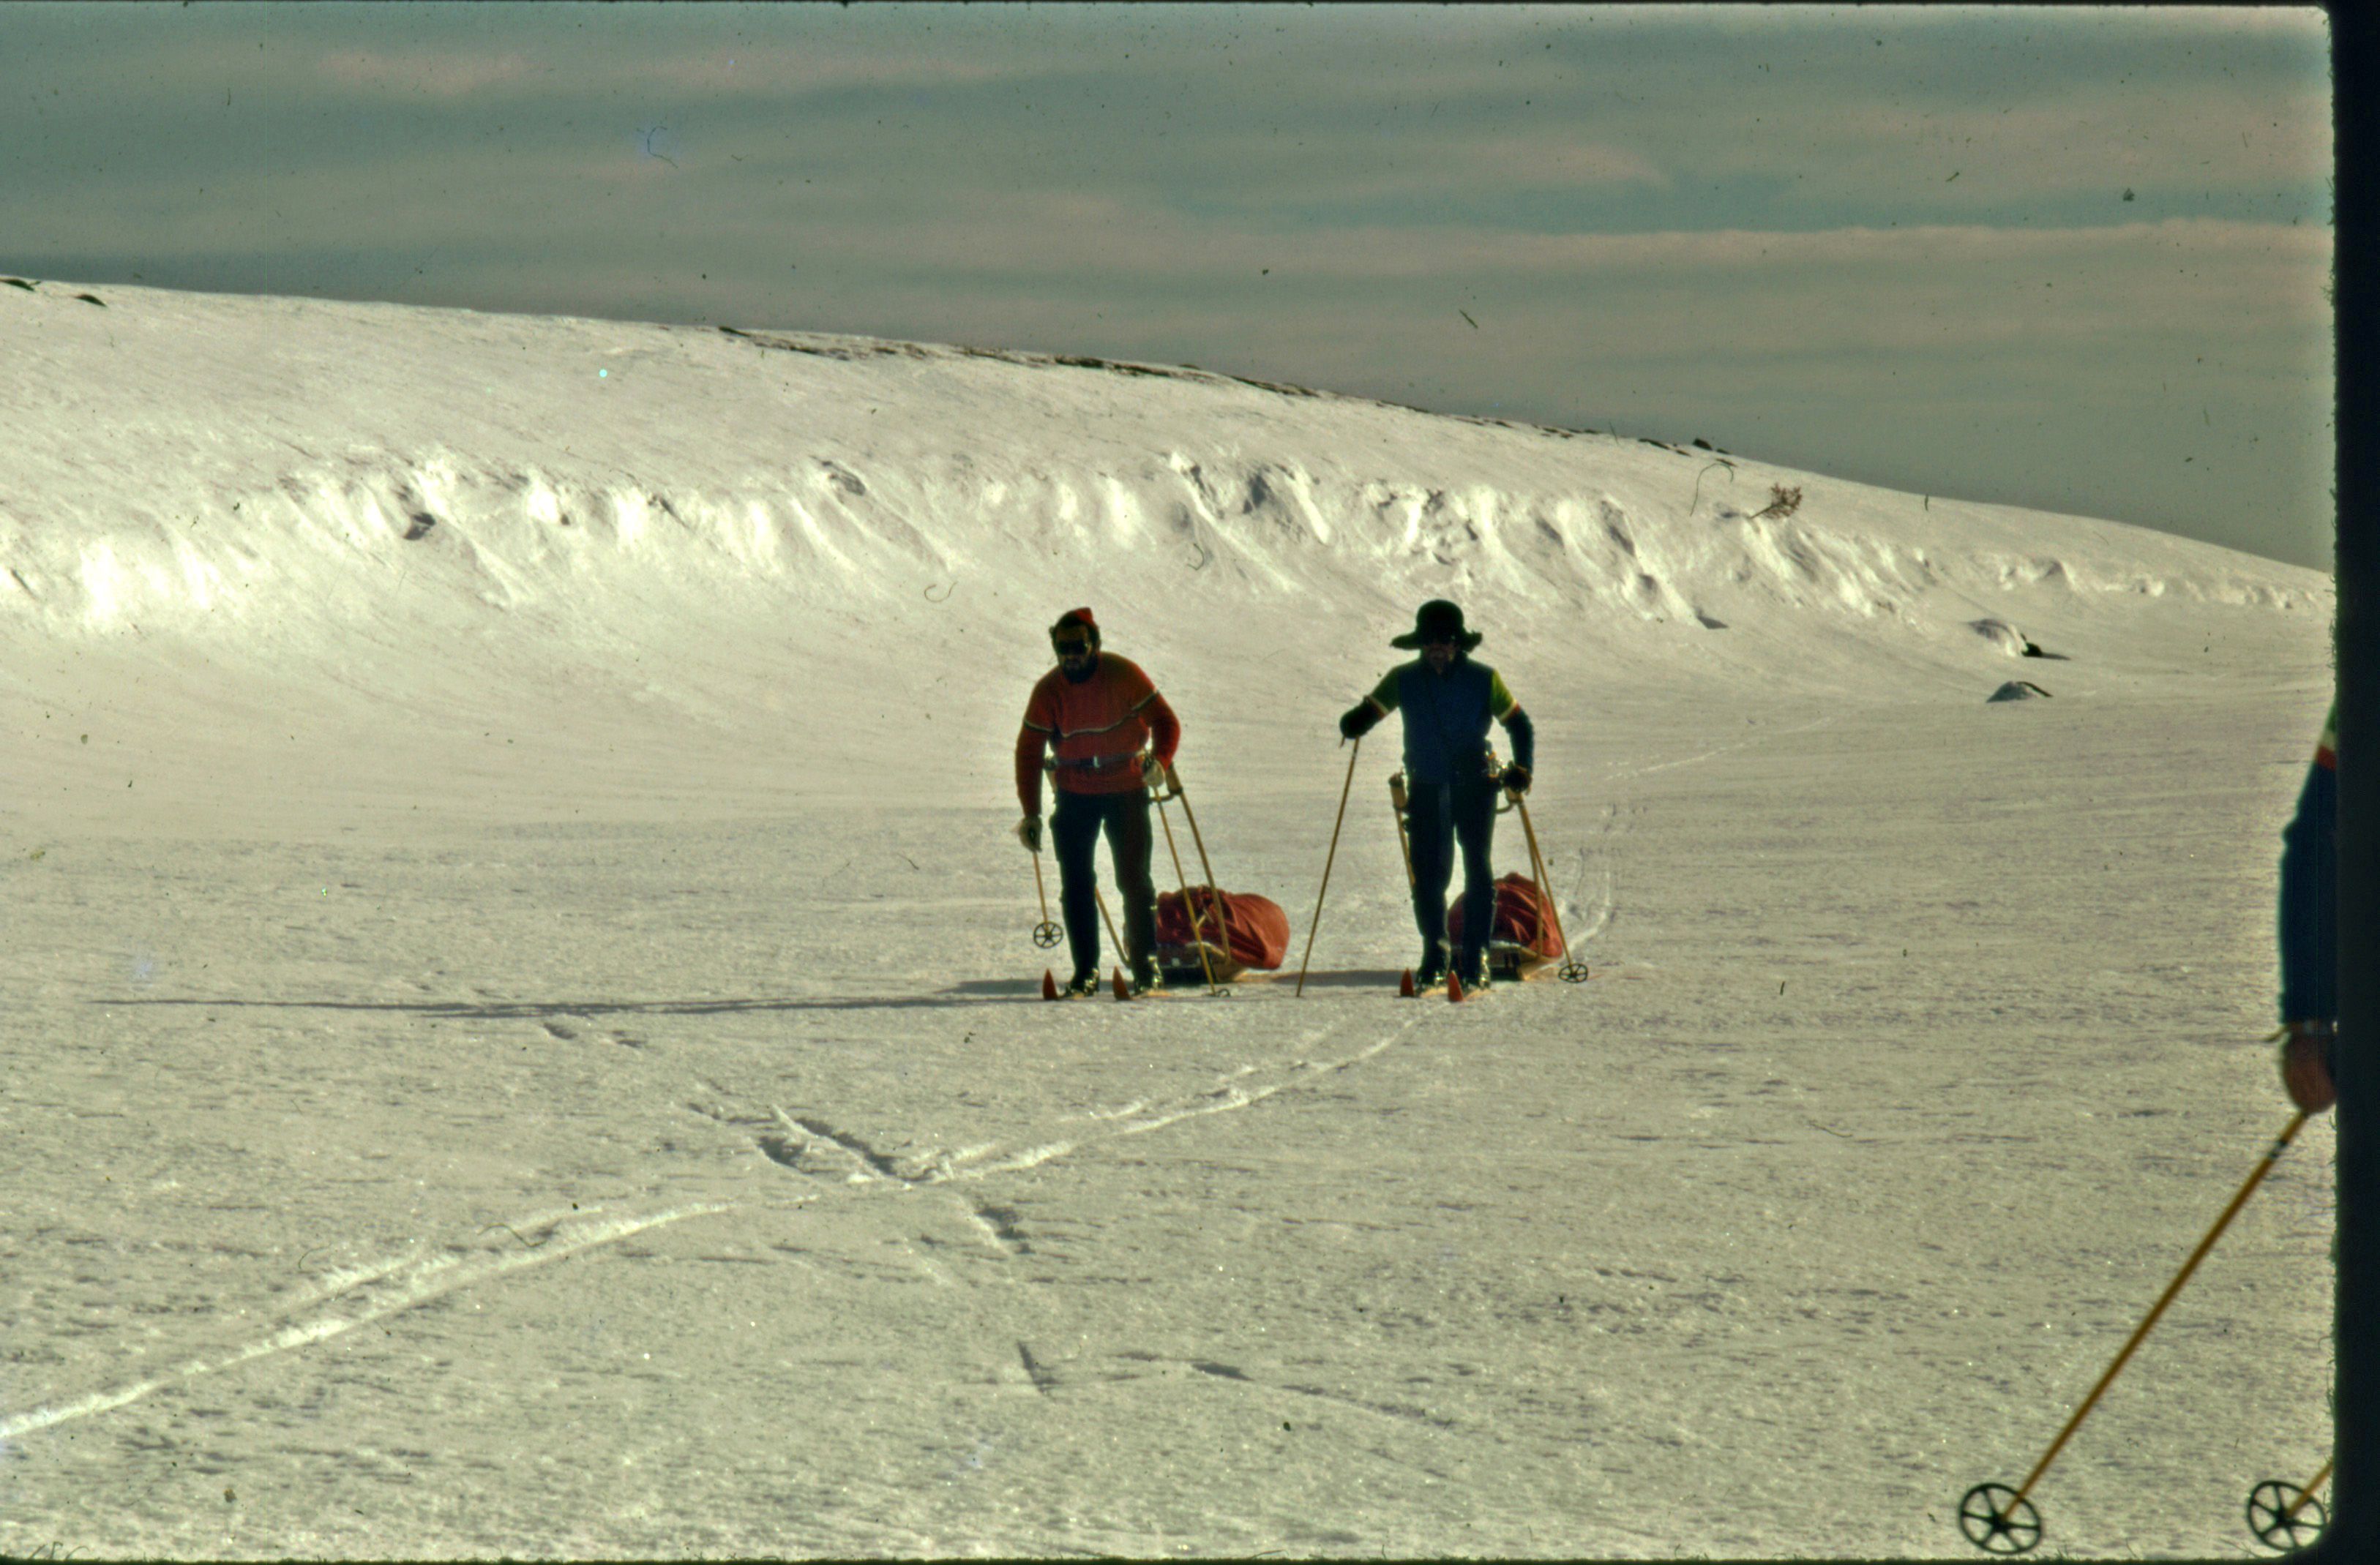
(409, 1285)
(379, 1289)
(864, 1166)
(1621, 773)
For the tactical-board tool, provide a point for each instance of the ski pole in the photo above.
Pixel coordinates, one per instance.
(1333, 853)
(1223, 914)
(1573, 970)
(1197, 930)
(1398, 799)
(1106, 917)
(1045, 934)
(2000, 1519)
(2306, 1493)
(2274, 1510)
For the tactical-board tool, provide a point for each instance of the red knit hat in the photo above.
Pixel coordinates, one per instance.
(1077, 619)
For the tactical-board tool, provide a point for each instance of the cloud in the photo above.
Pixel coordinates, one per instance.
(1080, 234)
(742, 68)
(1928, 246)
(2052, 318)
(2226, 140)
(423, 73)
(1346, 168)
(709, 65)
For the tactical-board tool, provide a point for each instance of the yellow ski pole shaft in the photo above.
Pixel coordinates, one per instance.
(1223, 914)
(1108, 920)
(2306, 1493)
(1553, 904)
(1040, 889)
(2264, 1167)
(1198, 930)
(1326, 862)
(1397, 800)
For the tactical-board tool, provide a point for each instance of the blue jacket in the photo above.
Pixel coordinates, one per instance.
(1446, 717)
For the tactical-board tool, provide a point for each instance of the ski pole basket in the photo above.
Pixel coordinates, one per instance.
(2285, 1517)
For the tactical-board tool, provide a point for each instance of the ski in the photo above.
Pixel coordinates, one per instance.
(1457, 992)
(1126, 989)
(1051, 989)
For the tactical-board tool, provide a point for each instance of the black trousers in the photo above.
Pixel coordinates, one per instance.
(1437, 815)
(1074, 828)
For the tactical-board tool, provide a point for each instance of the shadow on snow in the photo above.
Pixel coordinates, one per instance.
(976, 992)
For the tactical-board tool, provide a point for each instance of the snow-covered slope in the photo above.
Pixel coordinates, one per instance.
(434, 512)
(519, 1032)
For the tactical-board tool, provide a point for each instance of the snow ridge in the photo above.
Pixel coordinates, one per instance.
(276, 480)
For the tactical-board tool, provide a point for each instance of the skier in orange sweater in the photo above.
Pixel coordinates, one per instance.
(1114, 739)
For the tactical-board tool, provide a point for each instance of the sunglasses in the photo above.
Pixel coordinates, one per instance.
(1073, 645)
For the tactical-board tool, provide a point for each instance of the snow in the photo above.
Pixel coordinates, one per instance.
(521, 1035)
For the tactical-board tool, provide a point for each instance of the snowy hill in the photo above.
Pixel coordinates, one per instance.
(523, 1038)
(434, 512)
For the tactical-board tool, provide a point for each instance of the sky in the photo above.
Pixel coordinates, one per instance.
(2075, 258)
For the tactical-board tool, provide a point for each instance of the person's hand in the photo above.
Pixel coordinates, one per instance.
(2305, 1070)
(1154, 775)
(1358, 720)
(1515, 778)
(1028, 832)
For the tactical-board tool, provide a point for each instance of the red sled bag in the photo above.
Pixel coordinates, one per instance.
(1523, 917)
(1258, 928)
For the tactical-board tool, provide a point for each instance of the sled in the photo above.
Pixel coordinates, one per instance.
(1239, 932)
(1185, 966)
(1507, 963)
(1526, 937)
(1524, 940)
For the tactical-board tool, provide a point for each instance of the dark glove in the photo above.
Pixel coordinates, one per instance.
(1515, 778)
(1028, 832)
(1359, 721)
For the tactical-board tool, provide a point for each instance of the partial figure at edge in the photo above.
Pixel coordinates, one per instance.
(2309, 933)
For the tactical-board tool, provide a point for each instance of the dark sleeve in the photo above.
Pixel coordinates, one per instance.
(2310, 903)
(1524, 739)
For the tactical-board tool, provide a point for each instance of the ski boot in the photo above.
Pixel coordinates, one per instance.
(1145, 981)
(1081, 985)
(1432, 970)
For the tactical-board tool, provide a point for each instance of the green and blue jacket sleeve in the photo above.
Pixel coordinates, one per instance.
(1516, 723)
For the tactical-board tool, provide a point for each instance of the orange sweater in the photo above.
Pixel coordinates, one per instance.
(1096, 728)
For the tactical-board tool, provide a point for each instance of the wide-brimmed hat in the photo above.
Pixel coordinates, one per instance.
(1435, 621)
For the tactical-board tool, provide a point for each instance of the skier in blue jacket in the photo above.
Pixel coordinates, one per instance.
(1448, 701)
(2309, 932)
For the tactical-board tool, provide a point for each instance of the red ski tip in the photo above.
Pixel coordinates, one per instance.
(1406, 984)
(1453, 987)
(1123, 989)
(1048, 984)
